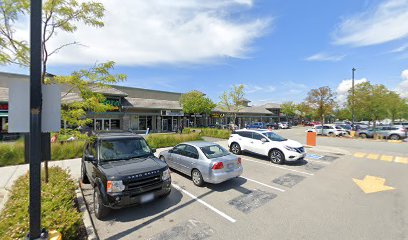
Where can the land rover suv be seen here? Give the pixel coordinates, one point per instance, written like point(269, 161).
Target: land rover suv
point(123, 171)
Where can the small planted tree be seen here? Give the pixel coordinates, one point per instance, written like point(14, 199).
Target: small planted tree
point(321, 100)
point(232, 101)
point(289, 109)
point(196, 102)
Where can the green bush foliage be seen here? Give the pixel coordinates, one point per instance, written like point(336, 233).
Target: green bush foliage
point(13, 153)
point(59, 211)
point(168, 140)
point(210, 132)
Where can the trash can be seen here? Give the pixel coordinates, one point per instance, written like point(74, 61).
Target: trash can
point(311, 138)
point(352, 133)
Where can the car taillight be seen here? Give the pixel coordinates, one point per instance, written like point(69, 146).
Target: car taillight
point(239, 160)
point(218, 165)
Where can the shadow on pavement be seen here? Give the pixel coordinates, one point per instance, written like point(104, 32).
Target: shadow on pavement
point(260, 157)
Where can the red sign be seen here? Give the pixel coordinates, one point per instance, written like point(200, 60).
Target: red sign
point(3, 106)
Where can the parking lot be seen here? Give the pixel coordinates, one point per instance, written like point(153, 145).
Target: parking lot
point(317, 198)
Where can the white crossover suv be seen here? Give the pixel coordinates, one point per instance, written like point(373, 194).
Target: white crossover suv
point(266, 143)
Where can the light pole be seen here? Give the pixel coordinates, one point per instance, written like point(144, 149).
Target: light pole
point(352, 100)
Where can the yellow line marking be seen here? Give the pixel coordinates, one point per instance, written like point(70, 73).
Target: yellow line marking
point(386, 158)
point(373, 156)
point(401, 160)
point(371, 184)
point(360, 154)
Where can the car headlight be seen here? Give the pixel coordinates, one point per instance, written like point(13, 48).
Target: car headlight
point(290, 148)
point(115, 186)
point(166, 174)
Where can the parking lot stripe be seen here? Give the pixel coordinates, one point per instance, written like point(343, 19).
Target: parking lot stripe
point(268, 164)
point(204, 203)
point(373, 156)
point(263, 184)
point(360, 154)
point(401, 160)
point(386, 158)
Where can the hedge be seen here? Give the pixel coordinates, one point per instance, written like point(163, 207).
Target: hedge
point(210, 132)
point(167, 140)
point(59, 209)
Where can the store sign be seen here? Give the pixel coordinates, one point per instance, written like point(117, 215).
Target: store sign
point(4, 107)
point(217, 115)
point(114, 102)
point(172, 113)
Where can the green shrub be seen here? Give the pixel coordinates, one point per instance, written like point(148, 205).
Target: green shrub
point(172, 139)
point(210, 132)
point(59, 210)
point(67, 150)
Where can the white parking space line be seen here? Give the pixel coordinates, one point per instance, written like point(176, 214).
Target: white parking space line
point(204, 203)
point(268, 164)
point(263, 184)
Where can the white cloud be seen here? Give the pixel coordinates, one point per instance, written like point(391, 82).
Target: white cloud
point(386, 22)
point(163, 32)
point(325, 57)
point(400, 49)
point(344, 87)
point(402, 87)
point(257, 88)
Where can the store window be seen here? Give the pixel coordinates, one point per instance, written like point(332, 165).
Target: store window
point(115, 124)
point(145, 122)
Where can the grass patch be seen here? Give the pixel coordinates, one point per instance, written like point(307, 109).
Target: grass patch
point(211, 132)
point(169, 140)
point(59, 209)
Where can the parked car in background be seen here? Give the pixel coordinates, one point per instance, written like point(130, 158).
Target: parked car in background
point(328, 130)
point(266, 143)
point(123, 171)
point(272, 125)
point(203, 162)
point(315, 123)
point(256, 125)
point(346, 127)
point(284, 125)
point(394, 132)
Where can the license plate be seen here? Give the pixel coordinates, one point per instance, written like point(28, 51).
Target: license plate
point(147, 198)
point(230, 165)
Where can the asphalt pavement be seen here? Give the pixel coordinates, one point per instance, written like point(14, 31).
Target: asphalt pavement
point(358, 192)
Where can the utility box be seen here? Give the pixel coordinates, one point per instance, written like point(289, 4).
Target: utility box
point(311, 138)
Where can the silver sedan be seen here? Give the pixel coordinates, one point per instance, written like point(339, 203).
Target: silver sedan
point(203, 161)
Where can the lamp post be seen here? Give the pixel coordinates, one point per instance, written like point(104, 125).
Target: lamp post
point(352, 101)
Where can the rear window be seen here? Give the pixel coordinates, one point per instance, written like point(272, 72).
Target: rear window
point(214, 151)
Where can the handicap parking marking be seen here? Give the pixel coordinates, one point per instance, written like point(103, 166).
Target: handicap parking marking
point(263, 184)
point(275, 166)
point(289, 180)
point(360, 154)
point(191, 229)
point(386, 158)
point(403, 160)
point(246, 203)
point(313, 156)
point(204, 203)
point(373, 156)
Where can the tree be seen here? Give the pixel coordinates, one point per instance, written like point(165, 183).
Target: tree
point(305, 110)
point(196, 102)
point(232, 101)
point(343, 113)
point(321, 100)
point(289, 109)
point(394, 105)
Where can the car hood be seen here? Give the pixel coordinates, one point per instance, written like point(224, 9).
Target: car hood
point(291, 143)
point(121, 169)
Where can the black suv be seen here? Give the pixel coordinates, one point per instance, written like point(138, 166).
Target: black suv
point(123, 171)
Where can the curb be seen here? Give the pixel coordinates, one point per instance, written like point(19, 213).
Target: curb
point(86, 218)
point(394, 141)
point(5, 194)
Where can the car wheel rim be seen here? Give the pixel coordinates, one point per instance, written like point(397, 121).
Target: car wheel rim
point(235, 148)
point(276, 156)
point(394, 138)
point(196, 177)
point(96, 202)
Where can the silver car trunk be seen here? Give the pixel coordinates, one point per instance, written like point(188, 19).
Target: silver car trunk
point(229, 161)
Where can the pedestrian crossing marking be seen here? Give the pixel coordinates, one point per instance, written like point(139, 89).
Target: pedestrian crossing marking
point(360, 154)
point(401, 160)
point(386, 158)
point(372, 156)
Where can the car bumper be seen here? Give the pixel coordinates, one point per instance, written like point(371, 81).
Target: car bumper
point(224, 176)
point(131, 198)
point(294, 156)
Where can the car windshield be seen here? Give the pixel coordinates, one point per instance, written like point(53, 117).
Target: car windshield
point(339, 128)
point(274, 137)
point(123, 149)
point(214, 151)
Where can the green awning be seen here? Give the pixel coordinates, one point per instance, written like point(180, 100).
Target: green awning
point(3, 114)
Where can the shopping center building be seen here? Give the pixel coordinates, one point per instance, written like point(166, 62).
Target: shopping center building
point(141, 109)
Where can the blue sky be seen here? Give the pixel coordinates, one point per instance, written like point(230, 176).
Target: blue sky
point(278, 49)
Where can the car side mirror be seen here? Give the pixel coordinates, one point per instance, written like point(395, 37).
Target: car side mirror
point(264, 140)
point(90, 158)
point(171, 151)
point(153, 150)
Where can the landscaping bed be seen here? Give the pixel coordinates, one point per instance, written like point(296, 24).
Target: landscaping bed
point(171, 139)
point(59, 208)
point(210, 132)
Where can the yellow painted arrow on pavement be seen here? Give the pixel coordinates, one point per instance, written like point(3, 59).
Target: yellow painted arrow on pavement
point(371, 184)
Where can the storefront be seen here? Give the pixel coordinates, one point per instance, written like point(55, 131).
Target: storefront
point(3, 116)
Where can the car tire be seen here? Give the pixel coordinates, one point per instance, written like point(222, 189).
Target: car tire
point(84, 177)
point(331, 134)
point(276, 156)
point(235, 148)
point(197, 178)
point(363, 135)
point(394, 137)
point(99, 209)
point(165, 195)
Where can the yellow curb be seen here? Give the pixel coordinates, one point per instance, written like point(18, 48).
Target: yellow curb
point(395, 141)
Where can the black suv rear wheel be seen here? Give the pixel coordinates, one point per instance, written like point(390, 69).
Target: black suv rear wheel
point(99, 209)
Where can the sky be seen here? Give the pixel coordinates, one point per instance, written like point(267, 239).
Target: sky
point(278, 49)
